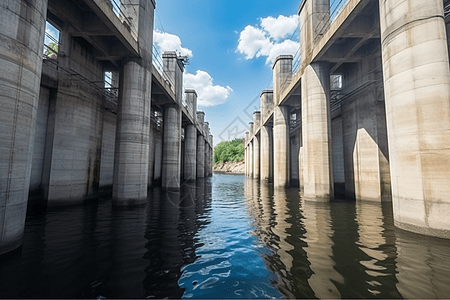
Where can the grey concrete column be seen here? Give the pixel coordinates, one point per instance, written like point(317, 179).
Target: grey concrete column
point(250, 159)
point(294, 159)
point(282, 71)
point(200, 156)
point(246, 153)
point(256, 157)
point(171, 163)
point(281, 146)
point(157, 169)
point(190, 152)
point(314, 17)
point(417, 90)
point(211, 154)
point(191, 101)
point(266, 102)
point(132, 135)
point(22, 36)
point(266, 155)
point(316, 133)
point(133, 117)
point(206, 134)
point(151, 153)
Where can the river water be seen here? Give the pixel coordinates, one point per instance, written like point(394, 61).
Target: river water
point(224, 237)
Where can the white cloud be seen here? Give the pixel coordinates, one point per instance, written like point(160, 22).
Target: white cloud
point(280, 27)
point(269, 40)
point(208, 93)
point(169, 42)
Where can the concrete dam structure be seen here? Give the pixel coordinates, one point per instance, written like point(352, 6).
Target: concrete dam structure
point(365, 112)
point(66, 134)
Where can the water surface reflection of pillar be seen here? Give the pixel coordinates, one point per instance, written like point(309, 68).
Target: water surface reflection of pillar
point(317, 222)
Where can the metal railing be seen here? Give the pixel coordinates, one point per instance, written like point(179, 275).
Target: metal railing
point(51, 47)
point(328, 18)
point(120, 8)
point(446, 10)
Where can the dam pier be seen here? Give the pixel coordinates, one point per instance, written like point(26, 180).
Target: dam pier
point(364, 113)
point(100, 112)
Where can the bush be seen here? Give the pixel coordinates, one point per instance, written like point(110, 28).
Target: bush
point(229, 151)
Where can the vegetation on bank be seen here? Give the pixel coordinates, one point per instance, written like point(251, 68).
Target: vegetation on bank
point(229, 151)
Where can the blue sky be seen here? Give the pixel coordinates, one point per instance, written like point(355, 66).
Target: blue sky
point(232, 44)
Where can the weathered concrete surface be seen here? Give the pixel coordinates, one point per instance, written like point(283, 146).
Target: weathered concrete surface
point(171, 163)
point(417, 90)
point(295, 142)
point(22, 25)
point(107, 155)
point(39, 143)
point(132, 136)
point(338, 156)
point(250, 159)
point(316, 133)
point(200, 146)
point(266, 153)
point(133, 118)
point(256, 148)
point(157, 169)
point(190, 152)
point(281, 146)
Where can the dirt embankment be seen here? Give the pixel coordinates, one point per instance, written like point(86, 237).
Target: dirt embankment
point(237, 167)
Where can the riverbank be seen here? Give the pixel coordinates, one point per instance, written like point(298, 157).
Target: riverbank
point(235, 167)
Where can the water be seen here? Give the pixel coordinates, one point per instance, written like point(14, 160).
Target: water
point(224, 237)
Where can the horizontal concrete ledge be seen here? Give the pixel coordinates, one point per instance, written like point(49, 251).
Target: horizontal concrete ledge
point(191, 91)
point(266, 92)
point(279, 57)
point(170, 54)
point(439, 233)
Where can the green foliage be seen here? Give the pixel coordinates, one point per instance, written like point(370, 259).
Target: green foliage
point(52, 49)
point(229, 151)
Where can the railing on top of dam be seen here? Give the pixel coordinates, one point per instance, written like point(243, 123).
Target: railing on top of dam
point(159, 65)
point(322, 26)
point(123, 9)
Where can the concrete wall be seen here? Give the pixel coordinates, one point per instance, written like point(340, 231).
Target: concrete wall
point(337, 143)
point(366, 155)
point(107, 155)
point(73, 148)
point(40, 133)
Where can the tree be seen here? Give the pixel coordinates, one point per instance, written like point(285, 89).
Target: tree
point(229, 151)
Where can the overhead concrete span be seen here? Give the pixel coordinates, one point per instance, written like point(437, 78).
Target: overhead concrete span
point(364, 112)
point(96, 110)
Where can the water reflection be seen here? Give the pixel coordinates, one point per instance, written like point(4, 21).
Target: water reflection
point(344, 249)
point(317, 222)
point(225, 237)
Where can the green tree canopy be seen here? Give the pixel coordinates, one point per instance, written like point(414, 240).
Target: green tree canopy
point(229, 151)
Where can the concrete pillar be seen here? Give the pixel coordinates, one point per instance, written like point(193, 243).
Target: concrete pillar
point(281, 146)
point(266, 166)
point(22, 35)
point(316, 133)
point(211, 154)
point(200, 146)
point(250, 159)
point(294, 159)
point(133, 117)
point(282, 71)
point(171, 163)
point(191, 101)
point(314, 18)
point(157, 169)
point(417, 93)
point(246, 153)
point(266, 103)
point(256, 157)
point(206, 135)
point(190, 152)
